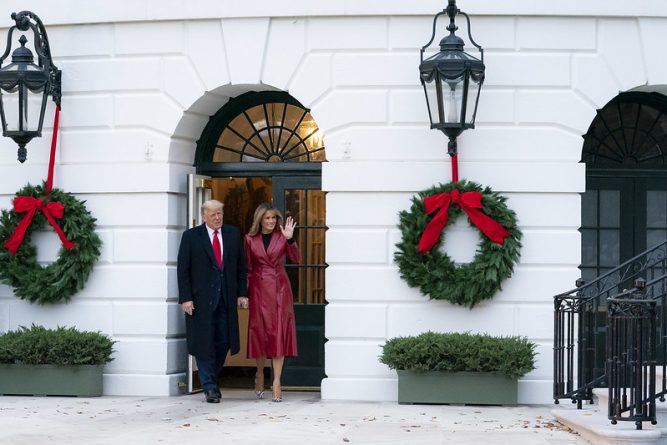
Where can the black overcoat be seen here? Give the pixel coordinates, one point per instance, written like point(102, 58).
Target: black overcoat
point(201, 281)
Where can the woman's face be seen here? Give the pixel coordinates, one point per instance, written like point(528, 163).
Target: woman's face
point(269, 221)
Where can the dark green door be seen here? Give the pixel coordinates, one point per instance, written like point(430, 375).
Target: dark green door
point(302, 199)
point(621, 218)
point(624, 208)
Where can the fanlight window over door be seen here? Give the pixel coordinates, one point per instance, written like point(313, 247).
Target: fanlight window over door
point(271, 132)
point(630, 132)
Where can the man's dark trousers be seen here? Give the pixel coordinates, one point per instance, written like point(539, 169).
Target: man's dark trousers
point(210, 366)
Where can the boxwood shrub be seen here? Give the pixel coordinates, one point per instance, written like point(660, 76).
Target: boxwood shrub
point(62, 346)
point(456, 352)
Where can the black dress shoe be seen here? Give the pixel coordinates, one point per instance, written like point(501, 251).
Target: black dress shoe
point(211, 396)
point(218, 393)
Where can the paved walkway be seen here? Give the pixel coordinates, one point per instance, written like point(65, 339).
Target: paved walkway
point(302, 418)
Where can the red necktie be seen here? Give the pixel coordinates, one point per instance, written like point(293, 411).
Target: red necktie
point(217, 250)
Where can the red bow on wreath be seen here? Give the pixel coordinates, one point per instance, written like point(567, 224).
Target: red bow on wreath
point(30, 205)
point(470, 202)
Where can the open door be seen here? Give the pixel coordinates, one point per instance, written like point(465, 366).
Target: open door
point(199, 190)
point(303, 199)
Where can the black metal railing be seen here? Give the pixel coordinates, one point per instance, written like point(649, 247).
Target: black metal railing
point(631, 356)
point(580, 324)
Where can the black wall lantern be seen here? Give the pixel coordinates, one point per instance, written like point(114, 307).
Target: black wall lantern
point(452, 80)
point(24, 85)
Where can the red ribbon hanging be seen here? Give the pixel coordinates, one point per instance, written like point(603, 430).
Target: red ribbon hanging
point(52, 210)
point(455, 168)
point(470, 202)
point(52, 156)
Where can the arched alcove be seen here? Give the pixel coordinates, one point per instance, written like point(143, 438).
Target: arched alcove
point(266, 146)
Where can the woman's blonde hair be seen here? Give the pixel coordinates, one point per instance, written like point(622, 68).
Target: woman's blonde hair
point(259, 214)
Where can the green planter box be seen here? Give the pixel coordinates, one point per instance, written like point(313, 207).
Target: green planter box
point(461, 388)
point(51, 380)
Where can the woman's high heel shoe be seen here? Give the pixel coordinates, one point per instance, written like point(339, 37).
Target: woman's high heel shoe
point(276, 395)
point(259, 393)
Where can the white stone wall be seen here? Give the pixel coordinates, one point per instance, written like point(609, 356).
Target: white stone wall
point(545, 78)
point(141, 78)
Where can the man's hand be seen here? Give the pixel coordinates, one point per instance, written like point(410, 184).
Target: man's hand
point(242, 302)
point(188, 307)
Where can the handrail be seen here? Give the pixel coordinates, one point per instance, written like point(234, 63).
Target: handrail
point(577, 291)
point(656, 290)
point(631, 352)
point(580, 324)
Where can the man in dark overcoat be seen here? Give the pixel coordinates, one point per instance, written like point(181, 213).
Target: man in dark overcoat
point(211, 273)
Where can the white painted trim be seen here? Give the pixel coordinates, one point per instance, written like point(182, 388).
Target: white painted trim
point(119, 11)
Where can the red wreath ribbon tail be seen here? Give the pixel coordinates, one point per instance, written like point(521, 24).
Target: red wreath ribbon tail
point(487, 225)
point(15, 240)
point(434, 228)
point(56, 210)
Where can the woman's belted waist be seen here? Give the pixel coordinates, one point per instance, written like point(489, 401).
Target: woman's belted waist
point(264, 272)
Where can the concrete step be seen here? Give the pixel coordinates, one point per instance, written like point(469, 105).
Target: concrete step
point(592, 424)
point(601, 399)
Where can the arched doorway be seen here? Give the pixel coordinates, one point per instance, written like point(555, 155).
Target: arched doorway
point(624, 208)
point(266, 146)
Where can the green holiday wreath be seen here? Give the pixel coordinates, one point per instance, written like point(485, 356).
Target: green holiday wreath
point(58, 281)
point(434, 273)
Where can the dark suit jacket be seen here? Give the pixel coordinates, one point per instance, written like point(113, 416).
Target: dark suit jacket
point(201, 281)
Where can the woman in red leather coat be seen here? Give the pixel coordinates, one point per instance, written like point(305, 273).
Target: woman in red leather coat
point(271, 327)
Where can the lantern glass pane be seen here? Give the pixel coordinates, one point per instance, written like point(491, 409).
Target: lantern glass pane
point(33, 110)
point(10, 105)
point(22, 110)
point(452, 96)
point(430, 88)
point(473, 93)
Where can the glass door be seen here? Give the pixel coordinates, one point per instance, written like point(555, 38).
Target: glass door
point(302, 199)
point(607, 228)
point(621, 218)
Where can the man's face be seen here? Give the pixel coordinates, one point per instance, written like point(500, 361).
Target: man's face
point(213, 218)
